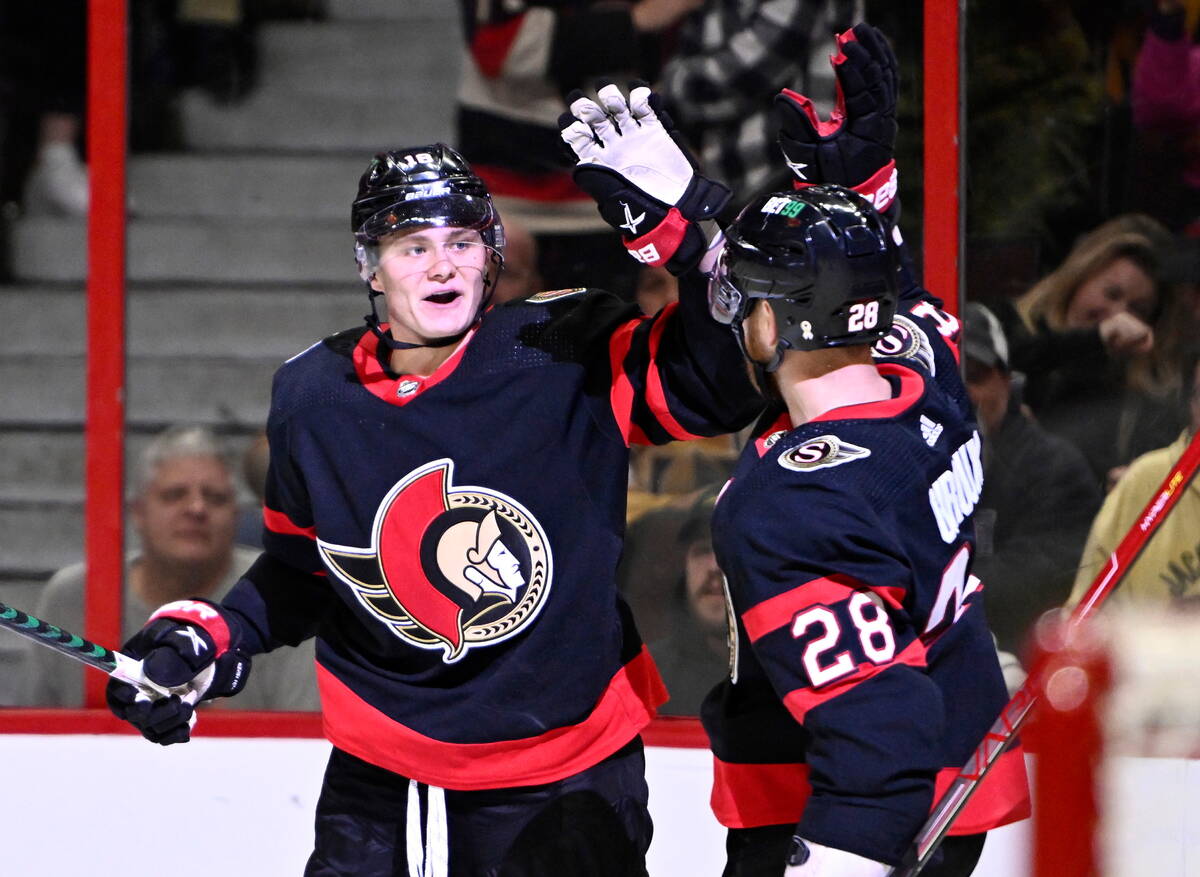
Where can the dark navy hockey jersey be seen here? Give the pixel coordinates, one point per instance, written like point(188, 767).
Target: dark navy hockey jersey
point(862, 667)
point(452, 540)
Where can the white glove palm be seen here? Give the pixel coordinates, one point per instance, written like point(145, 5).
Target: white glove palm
point(629, 138)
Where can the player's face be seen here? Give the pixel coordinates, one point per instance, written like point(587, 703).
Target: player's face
point(1119, 286)
point(187, 513)
point(705, 592)
point(432, 280)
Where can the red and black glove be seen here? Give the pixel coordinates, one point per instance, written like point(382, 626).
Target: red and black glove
point(185, 646)
point(855, 147)
point(645, 183)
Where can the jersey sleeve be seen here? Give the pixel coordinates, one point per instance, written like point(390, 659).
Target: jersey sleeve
point(679, 375)
point(824, 614)
point(282, 597)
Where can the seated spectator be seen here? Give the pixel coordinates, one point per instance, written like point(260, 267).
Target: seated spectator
point(520, 59)
point(183, 512)
point(255, 460)
point(520, 277)
point(694, 654)
point(1165, 98)
point(731, 59)
point(1038, 494)
point(656, 288)
point(1096, 340)
point(1168, 569)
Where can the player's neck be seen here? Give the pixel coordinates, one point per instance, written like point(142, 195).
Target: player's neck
point(816, 381)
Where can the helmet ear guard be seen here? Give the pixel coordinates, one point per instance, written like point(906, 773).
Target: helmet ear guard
point(367, 257)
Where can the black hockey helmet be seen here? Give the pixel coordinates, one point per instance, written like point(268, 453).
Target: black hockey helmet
point(823, 259)
point(420, 187)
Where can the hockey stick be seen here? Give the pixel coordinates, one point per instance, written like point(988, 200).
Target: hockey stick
point(115, 664)
point(1000, 736)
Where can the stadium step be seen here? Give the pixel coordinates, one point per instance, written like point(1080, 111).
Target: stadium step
point(254, 323)
point(272, 188)
point(200, 250)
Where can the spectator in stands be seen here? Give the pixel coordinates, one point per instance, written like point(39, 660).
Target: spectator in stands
point(732, 58)
point(656, 288)
point(183, 511)
point(520, 277)
point(1038, 493)
point(207, 44)
point(522, 58)
point(1168, 569)
point(1166, 116)
point(1097, 340)
point(255, 460)
point(694, 654)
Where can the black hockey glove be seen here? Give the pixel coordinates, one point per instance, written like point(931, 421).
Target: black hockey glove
point(184, 648)
point(645, 183)
point(855, 146)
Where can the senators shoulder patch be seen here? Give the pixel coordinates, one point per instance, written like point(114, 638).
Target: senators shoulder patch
point(821, 452)
point(539, 298)
point(906, 340)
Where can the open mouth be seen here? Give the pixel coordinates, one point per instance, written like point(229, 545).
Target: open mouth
point(442, 298)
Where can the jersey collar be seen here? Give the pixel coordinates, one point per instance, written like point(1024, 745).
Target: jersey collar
point(911, 389)
point(403, 389)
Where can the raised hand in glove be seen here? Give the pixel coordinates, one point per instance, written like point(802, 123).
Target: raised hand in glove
point(855, 146)
point(645, 184)
point(184, 648)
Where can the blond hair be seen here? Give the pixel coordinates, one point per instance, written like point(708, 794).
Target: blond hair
point(1140, 239)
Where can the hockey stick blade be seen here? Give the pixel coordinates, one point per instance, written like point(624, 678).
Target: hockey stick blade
point(115, 664)
point(1001, 735)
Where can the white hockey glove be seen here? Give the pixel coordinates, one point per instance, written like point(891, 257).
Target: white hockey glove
point(644, 182)
point(808, 859)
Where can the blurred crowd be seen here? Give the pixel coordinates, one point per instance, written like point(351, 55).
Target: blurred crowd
point(1083, 262)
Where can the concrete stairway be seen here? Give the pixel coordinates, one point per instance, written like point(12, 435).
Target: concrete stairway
point(239, 255)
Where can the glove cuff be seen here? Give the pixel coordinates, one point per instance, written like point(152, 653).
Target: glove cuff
point(880, 188)
point(202, 614)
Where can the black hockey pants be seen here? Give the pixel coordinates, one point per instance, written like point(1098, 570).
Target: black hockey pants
point(761, 852)
point(375, 823)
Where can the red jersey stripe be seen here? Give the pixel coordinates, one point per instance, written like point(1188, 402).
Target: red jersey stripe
point(278, 522)
point(800, 701)
point(622, 394)
point(656, 398)
point(750, 795)
point(779, 611)
point(625, 707)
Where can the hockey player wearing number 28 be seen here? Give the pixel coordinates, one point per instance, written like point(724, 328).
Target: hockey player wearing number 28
point(444, 512)
point(863, 674)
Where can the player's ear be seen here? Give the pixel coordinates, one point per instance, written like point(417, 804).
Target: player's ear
point(761, 332)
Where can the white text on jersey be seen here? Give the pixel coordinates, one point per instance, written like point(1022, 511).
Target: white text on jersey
point(953, 495)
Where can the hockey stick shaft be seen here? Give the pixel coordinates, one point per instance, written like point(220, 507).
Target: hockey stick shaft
point(1002, 733)
point(111, 662)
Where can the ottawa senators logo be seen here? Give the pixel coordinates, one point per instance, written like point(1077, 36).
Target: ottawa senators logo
point(821, 453)
point(449, 567)
point(906, 340)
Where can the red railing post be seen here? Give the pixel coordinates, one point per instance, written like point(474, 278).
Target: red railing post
point(943, 226)
point(105, 405)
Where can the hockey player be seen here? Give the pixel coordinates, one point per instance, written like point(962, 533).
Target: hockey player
point(444, 512)
point(863, 673)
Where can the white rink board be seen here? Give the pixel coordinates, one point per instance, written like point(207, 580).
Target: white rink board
point(118, 806)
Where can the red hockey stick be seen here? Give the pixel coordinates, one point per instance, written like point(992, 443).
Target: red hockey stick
point(1002, 733)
